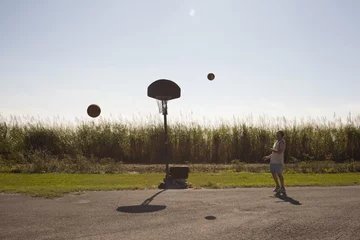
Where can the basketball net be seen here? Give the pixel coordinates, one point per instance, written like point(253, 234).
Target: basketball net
point(162, 105)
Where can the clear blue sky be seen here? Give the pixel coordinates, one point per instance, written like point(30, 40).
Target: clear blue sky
point(274, 58)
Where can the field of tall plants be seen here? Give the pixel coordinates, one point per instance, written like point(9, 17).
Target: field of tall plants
point(142, 142)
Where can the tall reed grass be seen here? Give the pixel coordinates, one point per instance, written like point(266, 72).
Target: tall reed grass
point(142, 141)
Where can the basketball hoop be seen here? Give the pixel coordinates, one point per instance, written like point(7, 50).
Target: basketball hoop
point(164, 90)
point(162, 103)
point(162, 106)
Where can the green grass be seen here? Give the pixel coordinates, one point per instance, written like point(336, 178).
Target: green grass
point(48, 165)
point(54, 185)
point(243, 179)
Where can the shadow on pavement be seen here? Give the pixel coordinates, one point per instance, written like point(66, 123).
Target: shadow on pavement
point(144, 207)
point(287, 199)
point(210, 217)
point(141, 208)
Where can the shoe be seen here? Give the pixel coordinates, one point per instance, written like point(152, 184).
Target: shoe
point(277, 189)
point(282, 190)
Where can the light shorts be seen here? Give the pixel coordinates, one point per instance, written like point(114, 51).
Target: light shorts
point(276, 167)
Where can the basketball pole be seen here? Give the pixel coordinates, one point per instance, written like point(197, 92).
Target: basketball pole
point(164, 105)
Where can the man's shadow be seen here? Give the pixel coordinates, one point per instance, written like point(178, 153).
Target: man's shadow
point(287, 199)
point(144, 207)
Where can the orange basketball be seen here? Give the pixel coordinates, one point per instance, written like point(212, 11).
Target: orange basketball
point(93, 110)
point(211, 76)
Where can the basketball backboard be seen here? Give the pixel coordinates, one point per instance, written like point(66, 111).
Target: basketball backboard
point(164, 89)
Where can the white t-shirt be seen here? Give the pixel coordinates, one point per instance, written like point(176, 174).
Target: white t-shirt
point(278, 157)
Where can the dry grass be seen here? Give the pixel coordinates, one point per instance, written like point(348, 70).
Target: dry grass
point(41, 163)
point(55, 146)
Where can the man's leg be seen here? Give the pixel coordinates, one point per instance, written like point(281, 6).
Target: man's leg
point(281, 177)
point(275, 178)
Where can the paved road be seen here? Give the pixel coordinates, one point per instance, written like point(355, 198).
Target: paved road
point(308, 213)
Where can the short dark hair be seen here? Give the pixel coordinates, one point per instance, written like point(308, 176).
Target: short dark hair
point(282, 133)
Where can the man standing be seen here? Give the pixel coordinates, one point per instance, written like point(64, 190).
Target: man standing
point(277, 162)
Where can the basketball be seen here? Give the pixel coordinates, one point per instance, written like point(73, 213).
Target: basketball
point(211, 76)
point(93, 110)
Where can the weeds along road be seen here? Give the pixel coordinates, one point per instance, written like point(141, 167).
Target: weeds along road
point(253, 213)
